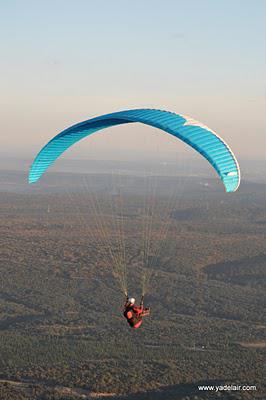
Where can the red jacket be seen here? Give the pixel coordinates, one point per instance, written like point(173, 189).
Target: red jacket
point(133, 314)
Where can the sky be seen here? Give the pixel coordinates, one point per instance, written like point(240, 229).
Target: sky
point(66, 61)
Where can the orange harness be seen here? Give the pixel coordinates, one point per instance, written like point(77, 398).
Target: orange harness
point(133, 316)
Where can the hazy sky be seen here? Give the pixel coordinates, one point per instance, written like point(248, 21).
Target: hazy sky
point(66, 61)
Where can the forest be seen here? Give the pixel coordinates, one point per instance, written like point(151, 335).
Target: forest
point(62, 332)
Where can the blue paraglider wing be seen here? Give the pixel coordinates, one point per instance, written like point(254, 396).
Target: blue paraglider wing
point(201, 138)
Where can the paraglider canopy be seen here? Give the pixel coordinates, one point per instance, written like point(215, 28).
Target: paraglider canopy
point(204, 140)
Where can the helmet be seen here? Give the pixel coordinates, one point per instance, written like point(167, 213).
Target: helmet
point(131, 300)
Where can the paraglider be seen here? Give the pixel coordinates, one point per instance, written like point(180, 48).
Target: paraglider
point(204, 140)
point(198, 136)
point(133, 313)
